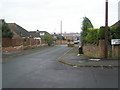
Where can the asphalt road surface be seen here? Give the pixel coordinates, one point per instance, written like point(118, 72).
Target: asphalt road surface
point(41, 70)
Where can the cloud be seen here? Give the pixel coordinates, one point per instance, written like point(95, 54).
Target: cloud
point(46, 14)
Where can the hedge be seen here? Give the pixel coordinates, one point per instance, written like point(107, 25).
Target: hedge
point(95, 34)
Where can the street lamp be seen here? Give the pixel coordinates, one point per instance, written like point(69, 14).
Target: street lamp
point(106, 29)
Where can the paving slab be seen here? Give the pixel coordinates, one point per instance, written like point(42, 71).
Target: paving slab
point(72, 58)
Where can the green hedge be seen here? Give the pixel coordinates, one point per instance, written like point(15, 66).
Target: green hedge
point(92, 36)
point(115, 32)
point(95, 34)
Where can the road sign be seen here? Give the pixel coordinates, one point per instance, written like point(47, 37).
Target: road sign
point(115, 41)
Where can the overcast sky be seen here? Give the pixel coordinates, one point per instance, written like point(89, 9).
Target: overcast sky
point(45, 15)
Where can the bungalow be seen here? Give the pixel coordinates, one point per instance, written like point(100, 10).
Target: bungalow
point(18, 31)
point(34, 34)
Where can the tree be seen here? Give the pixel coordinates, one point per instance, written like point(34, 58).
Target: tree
point(48, 38)
point(86, 24)
point(6, 30)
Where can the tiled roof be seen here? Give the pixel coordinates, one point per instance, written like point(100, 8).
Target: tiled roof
point(117, 23)
point(18, 30)
point(34, 34)
point(43, 32)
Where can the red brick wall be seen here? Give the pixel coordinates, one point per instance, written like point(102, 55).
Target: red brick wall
point(116, 51)
point(7, 42)
point(99, 51)
point(16, 42)
point(91, 50)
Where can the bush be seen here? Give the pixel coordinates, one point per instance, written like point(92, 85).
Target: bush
point(6, 31)
point(115, 32)
point(48, 38)
point(92, 36)
point(101, 33)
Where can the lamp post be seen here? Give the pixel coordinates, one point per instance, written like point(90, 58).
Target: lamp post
point(106, 29)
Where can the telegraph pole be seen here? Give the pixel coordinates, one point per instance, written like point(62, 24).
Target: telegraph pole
point(106, 29)
point(61, 31)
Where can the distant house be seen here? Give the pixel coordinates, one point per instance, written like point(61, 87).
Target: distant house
point(18, 31)
point(42, 33)
point(117, 23)
point(56, 36)
point(34, 34)
point(37, 34)
point(71, 36)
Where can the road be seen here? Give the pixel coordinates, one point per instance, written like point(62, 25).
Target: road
point(41, 70)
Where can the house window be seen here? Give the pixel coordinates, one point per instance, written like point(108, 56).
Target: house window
point(42, 33)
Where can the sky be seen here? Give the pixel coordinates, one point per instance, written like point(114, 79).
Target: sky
point(46, 15)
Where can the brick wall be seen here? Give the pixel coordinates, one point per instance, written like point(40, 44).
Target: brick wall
point(99, 51)
point(6, 42)
point(91, 50)
point(116, 51)
point(18, 44)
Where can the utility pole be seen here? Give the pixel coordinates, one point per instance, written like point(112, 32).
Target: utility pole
point(61, 31)
point(106, 29)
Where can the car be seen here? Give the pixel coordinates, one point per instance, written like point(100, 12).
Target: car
point(76, 41)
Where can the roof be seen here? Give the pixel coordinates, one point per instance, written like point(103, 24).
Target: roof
point(117, 23)
point(34, 34)
point(43, 32)
point(71, 34)
point(18, 30)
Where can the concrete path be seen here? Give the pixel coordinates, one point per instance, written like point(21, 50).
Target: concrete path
point(72, 58)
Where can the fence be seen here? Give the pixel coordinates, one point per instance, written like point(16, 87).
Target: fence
point(61, 42)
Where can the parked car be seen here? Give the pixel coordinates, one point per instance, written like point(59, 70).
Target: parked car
point(76, 41)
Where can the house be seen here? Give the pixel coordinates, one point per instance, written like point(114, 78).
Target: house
point(18, 31)
point(34, 34)
point(117, 23)
point(37, 34)
point(71, 36)
point(42, 33)
point(56, 36)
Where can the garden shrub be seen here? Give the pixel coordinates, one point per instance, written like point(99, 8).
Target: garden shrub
point(92, 36)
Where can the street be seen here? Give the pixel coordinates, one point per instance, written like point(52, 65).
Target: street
point(41, 70)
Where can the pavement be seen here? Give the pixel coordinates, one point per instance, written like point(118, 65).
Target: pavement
point(72, 58)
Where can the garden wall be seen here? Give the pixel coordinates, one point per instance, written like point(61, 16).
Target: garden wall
point(97, 51)
point(16, 44)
